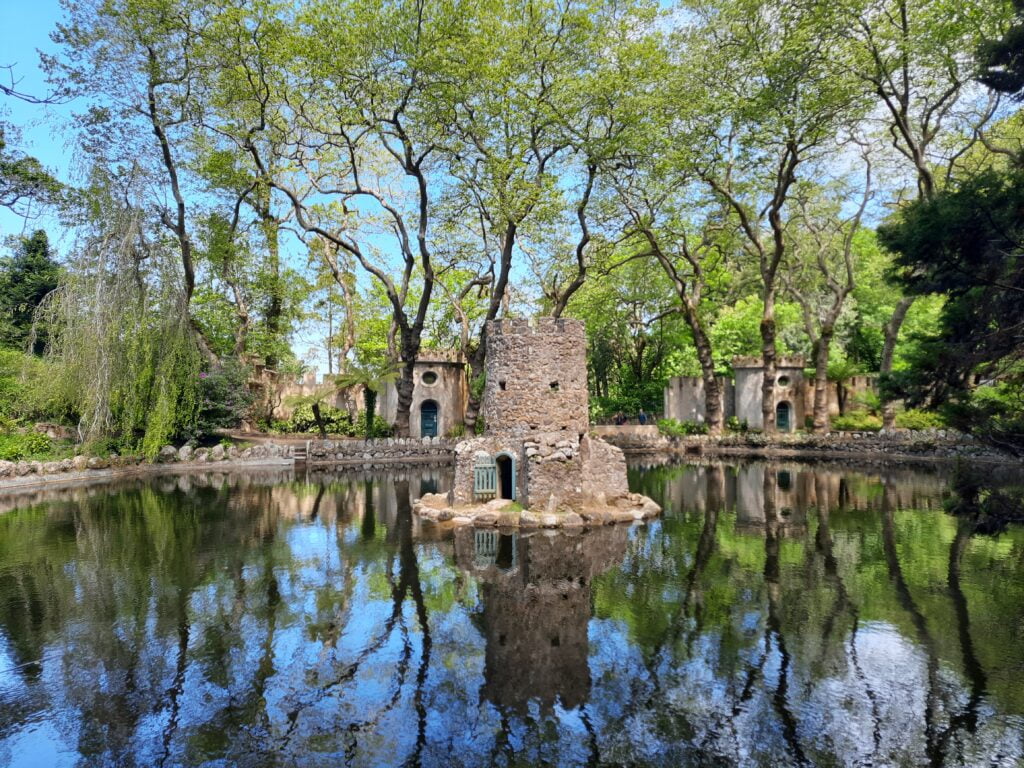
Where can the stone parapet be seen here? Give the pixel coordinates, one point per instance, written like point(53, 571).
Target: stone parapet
point(386, 449)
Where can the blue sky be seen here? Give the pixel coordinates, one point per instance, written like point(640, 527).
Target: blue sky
point(25, 27)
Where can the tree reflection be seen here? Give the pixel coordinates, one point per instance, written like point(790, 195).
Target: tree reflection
point(775, 615)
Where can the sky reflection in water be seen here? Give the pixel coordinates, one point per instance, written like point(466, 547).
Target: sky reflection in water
point(776, 615)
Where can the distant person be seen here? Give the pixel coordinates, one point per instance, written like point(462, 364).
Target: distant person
point(641, 417)
point(619, 419)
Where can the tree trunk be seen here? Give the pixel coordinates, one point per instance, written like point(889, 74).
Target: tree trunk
point(892, 333)
point(713, 407)
point(474, 395)
point(318, 417)
point(821, 353)
point(370, 400)
point(768, 359)
point(275, 308)
point(404, 387)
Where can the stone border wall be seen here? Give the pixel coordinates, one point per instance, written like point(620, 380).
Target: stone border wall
point(384, 450)
point(922, 444)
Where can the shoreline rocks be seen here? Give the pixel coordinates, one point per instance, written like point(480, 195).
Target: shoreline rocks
point(576, 512)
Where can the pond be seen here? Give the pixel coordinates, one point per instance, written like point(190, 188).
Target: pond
point(777, 614)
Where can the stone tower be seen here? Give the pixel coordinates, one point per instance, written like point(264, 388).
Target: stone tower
point(536, 450)
point(536, 377)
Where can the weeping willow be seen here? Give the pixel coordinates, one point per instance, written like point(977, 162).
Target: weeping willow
point(121, 340)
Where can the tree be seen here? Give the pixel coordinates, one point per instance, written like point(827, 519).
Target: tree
point(909, 54)
point(966, 243)
point(133, 61)
point(769, 96)
point(1002, 60)
point(25, 280)
point(23, 179)
point(822, 276)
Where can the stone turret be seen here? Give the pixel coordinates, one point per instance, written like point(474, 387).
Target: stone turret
point(536, 377)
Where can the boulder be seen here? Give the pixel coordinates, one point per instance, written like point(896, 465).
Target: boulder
point(486, 519)
point(96, 462)
point(185, 453)
point(22, 468)
point(51, 467)
point(167, 453)
point(445, 515)
point(80, 462)
point(217, 453)
point(232, 451)
point(528, 519)
point(572, 520)
point(246, 454)
point(201, 456)
point(6, 468)
point(434, 500)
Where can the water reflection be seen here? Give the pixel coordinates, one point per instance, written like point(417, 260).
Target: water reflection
point(536, 608)
point(777, 614)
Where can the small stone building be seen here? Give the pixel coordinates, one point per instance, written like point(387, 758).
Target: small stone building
point(536, 449)
point(741, 397)
point(438, 398)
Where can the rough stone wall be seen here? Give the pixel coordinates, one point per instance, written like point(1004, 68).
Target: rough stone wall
point(554, 470)
point(384, 448)
point(536, 377)
point(492, 445)
point(604, 469)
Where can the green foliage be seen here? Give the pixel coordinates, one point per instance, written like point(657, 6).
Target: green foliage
point(336, 421)
point(23, 179)
point(676, 428)
point(858, 421)
point(225, 397)
point(733, 424)
point(993, 412)
point(25, 280)
point(965, 243)
point(457, 431)
point(15, 446)
point(917, 419)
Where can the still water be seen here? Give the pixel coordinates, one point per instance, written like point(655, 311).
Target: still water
point(775, 615)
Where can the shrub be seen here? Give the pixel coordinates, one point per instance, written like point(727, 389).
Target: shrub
point(858, 421)
point(733, 424)
point(337, 421)
point(380, 427)
point(676, 428)
point(459, 430)
point(224, 397)
point(918, 419)
point(16, 446)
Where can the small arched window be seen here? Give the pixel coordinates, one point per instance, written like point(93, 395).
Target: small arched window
point(429, 377)
point(783, 381)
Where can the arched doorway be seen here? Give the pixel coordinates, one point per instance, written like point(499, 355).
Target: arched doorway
point(428, 419)
point(784, 417)
point(506, 466)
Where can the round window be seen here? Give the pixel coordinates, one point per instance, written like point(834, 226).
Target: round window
point(429, 377)
point(783, 381)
